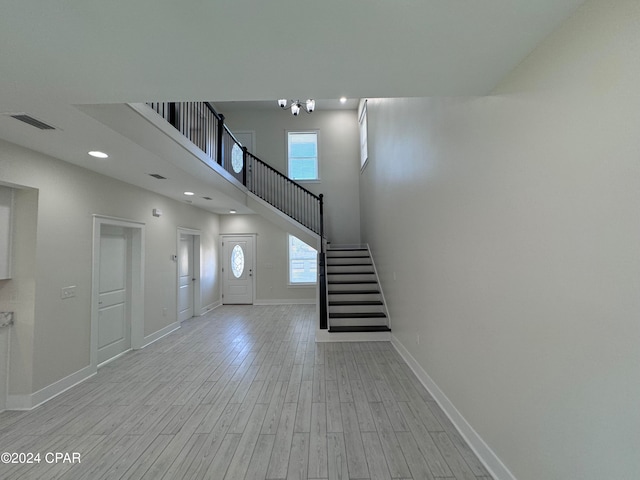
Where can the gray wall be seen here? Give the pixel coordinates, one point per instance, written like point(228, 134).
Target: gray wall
point(506, 232)
point(339, 151)
point(51, 338)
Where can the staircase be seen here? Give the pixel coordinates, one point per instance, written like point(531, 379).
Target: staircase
point(355, 298)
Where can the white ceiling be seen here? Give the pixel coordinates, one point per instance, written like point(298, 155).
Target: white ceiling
point(61, 53)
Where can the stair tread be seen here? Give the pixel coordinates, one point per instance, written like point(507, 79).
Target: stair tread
point(351, 282)
point(358, 315)
point(344, 303)
point(353, 292)
point(350, 273)
point(360, 328)
point(346, 249)
point(349, 264)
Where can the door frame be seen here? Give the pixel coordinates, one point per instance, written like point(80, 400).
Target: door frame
point(254, 237)
point(197, 302)
point(137, 230)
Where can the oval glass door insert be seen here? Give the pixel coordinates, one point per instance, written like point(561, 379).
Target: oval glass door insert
point(237, 261)
point(236, 158)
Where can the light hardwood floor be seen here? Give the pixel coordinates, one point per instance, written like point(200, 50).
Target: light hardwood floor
point(245, 393)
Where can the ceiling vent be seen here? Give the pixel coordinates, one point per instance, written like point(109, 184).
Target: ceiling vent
point(158, 176)
point(34, 122)
point(207, 198)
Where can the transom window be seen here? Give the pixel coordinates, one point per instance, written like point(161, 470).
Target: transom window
point(302, 152)
point(303, 262)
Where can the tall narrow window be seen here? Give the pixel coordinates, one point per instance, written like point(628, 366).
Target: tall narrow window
point(302, 151)
point(364, 150)
point(303, 262)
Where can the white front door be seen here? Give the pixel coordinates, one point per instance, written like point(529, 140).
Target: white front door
point(186, 277)
point(237, 269)
point(114, 313)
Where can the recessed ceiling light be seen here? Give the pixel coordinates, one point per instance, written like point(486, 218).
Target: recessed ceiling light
point(189, 193)
point(232, 211)
point(343, 99)
point(97, 154)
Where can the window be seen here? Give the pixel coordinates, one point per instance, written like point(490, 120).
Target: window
point(302, 151)
point(364, 153)
point(303, 263)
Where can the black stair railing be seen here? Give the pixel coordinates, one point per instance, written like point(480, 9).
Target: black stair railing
point(200, 123)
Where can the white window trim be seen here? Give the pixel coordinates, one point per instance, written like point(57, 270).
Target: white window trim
point(297, 284)
point(286, 150)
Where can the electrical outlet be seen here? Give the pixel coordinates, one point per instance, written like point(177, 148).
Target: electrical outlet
point(68, 292)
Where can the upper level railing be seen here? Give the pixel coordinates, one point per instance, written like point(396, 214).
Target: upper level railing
point(200, 123)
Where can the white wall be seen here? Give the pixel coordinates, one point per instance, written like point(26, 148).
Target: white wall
point(271, 260)
point(339, 150)
point(53, 342)
point(511, 225)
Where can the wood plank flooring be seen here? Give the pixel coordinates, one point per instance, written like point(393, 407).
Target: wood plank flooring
point(245, 393)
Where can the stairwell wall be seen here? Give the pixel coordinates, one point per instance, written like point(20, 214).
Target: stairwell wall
point(505, 231)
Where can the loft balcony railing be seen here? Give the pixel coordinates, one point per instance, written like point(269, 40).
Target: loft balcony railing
point(200, 123)
point(205, 128)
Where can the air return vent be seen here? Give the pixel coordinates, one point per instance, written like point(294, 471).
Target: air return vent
point(158, 176)
point(207, 198)
point(34, 122)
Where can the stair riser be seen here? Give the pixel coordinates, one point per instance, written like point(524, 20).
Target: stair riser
point(336, 261)
point(333, 269)
point(350, 322)
point(352, 287)
point(355, 277)
point(355, 308)
point(346, 254)
point(354, 297)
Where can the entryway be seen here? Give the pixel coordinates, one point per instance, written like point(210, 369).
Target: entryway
point(238, 279)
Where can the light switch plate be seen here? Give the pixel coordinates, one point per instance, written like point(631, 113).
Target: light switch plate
point(68, 292)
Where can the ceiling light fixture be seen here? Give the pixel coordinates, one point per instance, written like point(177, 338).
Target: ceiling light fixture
point(188, 194)
point(296, 105)
point(232, 211)
point(97, 154)
point(343, 100)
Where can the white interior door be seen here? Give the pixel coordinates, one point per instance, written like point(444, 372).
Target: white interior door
point(186, 277)
point(247, 139)
point(114, 312)
point(237, 269)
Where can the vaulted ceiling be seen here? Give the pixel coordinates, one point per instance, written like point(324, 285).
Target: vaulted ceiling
point(57, 54)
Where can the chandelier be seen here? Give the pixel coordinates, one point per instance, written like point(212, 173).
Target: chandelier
point(296, 105)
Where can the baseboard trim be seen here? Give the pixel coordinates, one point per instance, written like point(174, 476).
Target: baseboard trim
point(212, 306)
point(325, 336)
point(163, 332)
point(291, 301)
point(33, 400)
point(487, 456)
